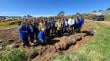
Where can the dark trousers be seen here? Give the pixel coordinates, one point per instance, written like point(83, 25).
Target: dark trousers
point(36, 34)
point(31, 35)
point(65, 29)
point(25, 42)
point(47, 32)
point(59, 33)
point(52, 30)
point(71, 29)
point(77, 28)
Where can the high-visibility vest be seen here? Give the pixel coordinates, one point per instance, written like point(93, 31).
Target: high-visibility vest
point(58, 25)
point(41, 25)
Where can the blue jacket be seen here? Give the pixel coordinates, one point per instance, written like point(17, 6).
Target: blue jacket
point(63, 22)
point(41, 36)
point(77, 23)
point(23, 32)
point(82, 21)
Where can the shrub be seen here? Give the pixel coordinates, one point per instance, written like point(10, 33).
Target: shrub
point(13, 55)
point(6, 23)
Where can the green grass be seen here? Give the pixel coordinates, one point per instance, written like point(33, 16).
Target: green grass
point(13, 55)
point(97, 50)
point(107, 17)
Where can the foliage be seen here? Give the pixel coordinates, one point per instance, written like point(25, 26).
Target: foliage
point(6, 23)
point(107, 17)
point(61, 13)
point(108, 9)
point(13, 55)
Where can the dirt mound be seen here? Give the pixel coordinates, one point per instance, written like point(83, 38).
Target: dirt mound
point(66, 43)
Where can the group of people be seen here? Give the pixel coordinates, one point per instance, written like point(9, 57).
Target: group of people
point(42, 29)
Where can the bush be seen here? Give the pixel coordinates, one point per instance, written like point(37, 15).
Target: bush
point(9, 22)
point(13, 55)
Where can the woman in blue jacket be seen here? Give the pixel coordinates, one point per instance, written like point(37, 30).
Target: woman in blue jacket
point(23, 34)
point(77, 25)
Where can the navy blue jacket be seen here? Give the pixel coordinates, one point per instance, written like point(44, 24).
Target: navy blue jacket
point(63, 22)
point(23, 32)
point(82, 21)
point(77, 22)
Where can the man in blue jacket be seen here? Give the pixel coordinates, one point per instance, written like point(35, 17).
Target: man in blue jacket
point(23, 34)
point(81, 20)
point(79, 23)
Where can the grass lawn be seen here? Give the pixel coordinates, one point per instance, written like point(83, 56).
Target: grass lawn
point(107, 17)
point(97, 50)
point(13, 55)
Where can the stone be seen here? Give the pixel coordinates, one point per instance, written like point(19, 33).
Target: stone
point(33, 54)
point(8, 47)
point(1, 41)
point(1, 48)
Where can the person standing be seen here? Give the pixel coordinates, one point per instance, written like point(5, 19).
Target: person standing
point(66, 25)
point(58, 26)
point(79, 23)
point(52, 26)
point(41, 24)
point(31, 32)
point(35, 24)
point(23, 34)
point(47, 28)
point(71, 23)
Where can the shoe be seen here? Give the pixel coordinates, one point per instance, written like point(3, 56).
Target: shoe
point(32, 44)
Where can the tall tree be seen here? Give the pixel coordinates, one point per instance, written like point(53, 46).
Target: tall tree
point(29, 16)
point(94, 11)
point(100, 10)
point(108, 9)
point(61, 13)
